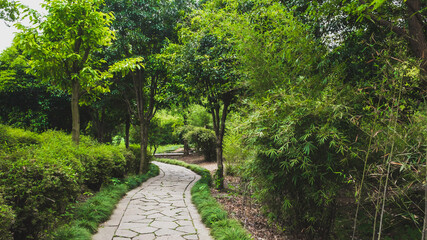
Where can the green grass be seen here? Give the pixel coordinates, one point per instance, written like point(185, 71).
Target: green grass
point(212, 213)
point(99, 208)
point(168, 148)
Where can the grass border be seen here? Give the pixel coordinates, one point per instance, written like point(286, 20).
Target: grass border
point(98, 209)
point(213, 214)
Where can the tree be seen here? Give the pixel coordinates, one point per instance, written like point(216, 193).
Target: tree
point(142, 29)
point(207, 62)
point(26, 102)
point(391, 15)
point(9, 10)
point(61, 49)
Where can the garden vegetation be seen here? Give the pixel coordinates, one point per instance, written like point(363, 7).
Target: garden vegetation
point(43, 175)
point(318, 106)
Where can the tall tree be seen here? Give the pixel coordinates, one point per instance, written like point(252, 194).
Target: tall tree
point(61, 49)
point(206, 61)
point(142, 29)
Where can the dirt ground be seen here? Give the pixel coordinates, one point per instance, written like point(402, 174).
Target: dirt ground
point(239, 206)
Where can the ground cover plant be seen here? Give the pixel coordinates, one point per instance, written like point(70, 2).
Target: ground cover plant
point(42, 174)
point(213, 215)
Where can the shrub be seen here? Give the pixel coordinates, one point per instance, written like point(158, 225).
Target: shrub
point(7, 217)
point(39, 192)
point(133, 165)
point(204, 141)
point(42, 175)
point(101, 163)
point(12, 139)
point(300, 166)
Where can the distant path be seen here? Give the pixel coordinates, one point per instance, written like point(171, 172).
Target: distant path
point(159, 209)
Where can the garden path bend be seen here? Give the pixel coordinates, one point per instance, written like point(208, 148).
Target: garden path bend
point(160, 208)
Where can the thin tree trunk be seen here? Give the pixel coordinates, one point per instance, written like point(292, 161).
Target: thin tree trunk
point(75, 114)
point(219, 161)
point(127, 129)
point(144, 161)
point(416, 27)
point(424, 236)
point(186, 146)
point(219, 128)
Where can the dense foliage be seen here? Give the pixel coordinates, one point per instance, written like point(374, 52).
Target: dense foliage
point(203, 140)
point(327, 102)
point(41, 175)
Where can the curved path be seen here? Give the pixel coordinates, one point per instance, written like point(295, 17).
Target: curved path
point(159, 209)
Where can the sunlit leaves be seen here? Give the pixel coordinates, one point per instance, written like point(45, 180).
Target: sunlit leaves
point(61, 47)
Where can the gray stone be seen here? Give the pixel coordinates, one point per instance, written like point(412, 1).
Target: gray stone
point(160, 208)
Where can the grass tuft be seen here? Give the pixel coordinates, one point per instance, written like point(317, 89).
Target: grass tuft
point(213, 215)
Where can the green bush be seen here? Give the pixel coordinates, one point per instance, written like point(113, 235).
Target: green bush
point(42, 175)
point(38, 192)
point(7, 217)
point(204, 141)
point(133, 165)
point(101, 163)
point(12, 139)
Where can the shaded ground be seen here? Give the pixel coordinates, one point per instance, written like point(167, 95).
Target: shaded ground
point(237, 205)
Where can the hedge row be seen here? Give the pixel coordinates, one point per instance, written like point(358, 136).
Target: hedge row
point(42, 174)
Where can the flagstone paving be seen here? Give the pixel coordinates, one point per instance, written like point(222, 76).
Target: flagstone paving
point(159, 209)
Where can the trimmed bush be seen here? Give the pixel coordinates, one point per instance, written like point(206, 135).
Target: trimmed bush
point(204, 141)
point(42, 175)
point(12, 139)
point(7, 216)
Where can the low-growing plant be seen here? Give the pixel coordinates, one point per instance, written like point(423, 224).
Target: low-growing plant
point(12, 139)
point(41, 175)
point(7, 217)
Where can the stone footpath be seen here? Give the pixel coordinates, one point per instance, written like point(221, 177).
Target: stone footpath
point(160, 208)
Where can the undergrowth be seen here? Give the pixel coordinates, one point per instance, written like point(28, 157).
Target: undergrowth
point(212, 213)
point(99, 208)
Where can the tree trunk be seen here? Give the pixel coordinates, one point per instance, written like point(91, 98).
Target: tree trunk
point(219, 160)
point(417, 40)
point(127, 128)
point(144, 161)
point(186, 146)
point(75, 114)
point(219, 128)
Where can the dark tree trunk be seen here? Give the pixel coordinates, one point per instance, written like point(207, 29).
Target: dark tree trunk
point(145, 112)
point(219, 128)
point(144, 161)
point(100, 125)
point(75, 114)
point(417, 38)
point(186, 146)
point(127, 129)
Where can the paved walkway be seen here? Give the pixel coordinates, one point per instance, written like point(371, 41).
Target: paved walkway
point(159, 209)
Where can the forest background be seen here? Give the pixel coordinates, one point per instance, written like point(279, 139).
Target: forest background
point(318, 106)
